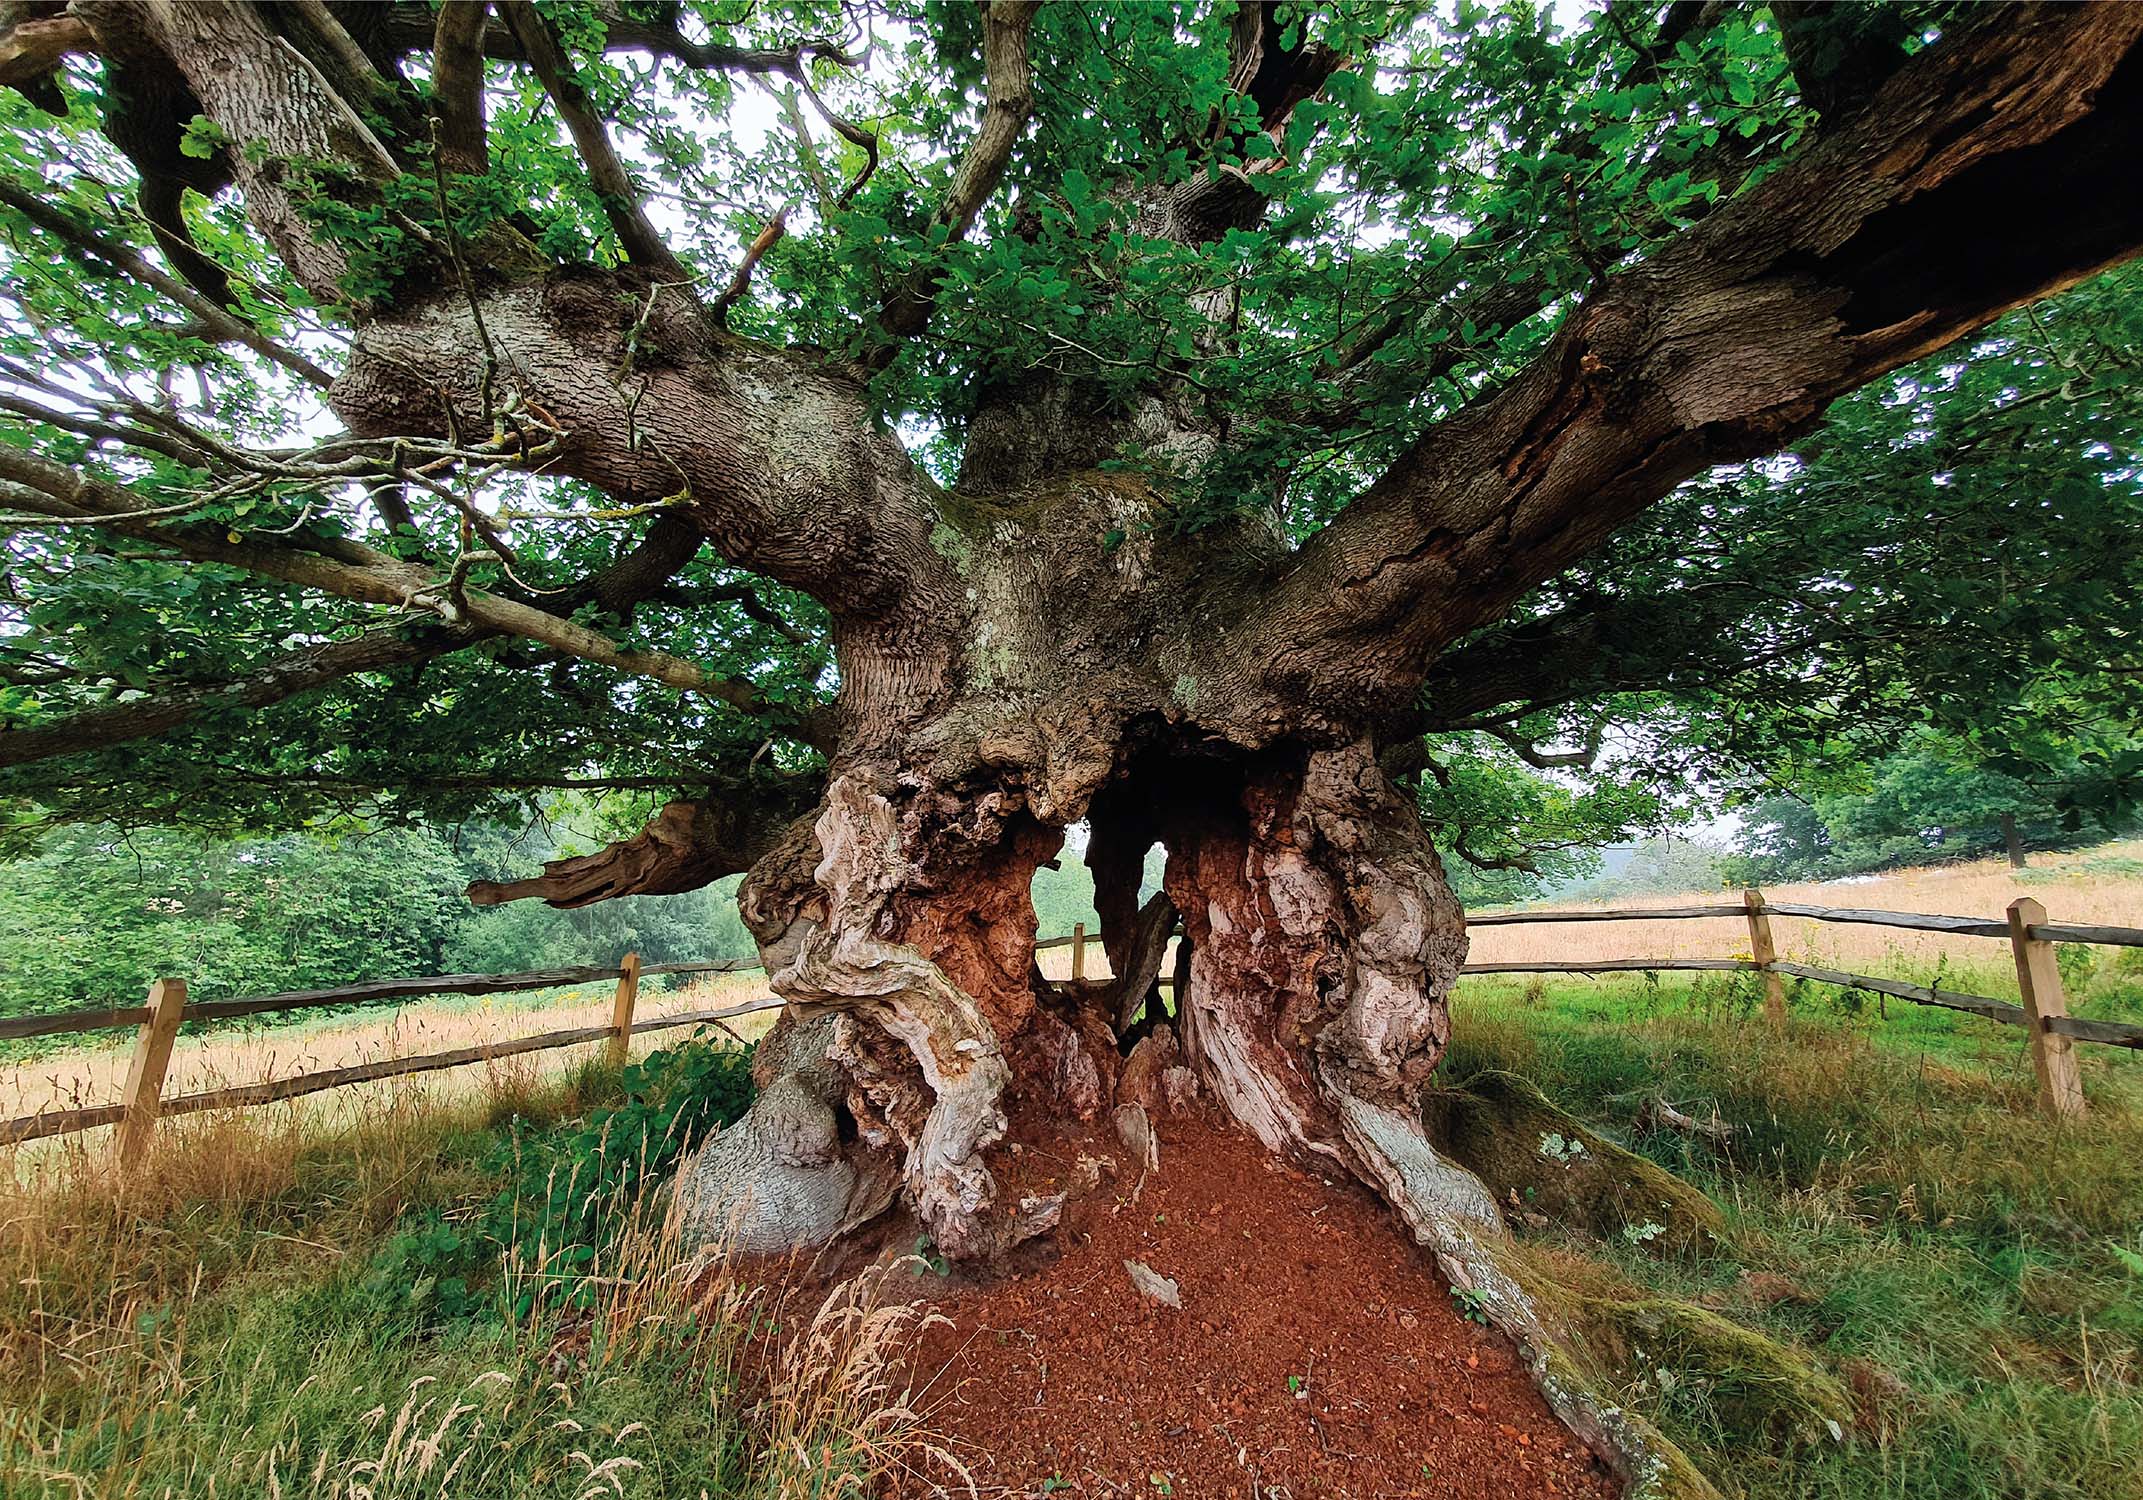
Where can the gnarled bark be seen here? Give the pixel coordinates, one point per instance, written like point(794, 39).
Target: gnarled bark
point(1049, 639)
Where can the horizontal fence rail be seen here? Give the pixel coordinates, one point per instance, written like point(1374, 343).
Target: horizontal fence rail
point(2050, 1027)
point(153, 1046)
point(2043, 1014)
point(101, 1018)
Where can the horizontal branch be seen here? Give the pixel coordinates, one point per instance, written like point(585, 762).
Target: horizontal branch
point(408, 29)
point(684, 847)
point(287, 676)
point(353, 571)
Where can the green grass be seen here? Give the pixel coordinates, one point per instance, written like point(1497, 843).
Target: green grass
point(278, 1308)
point(1953, 1257)
point(265, 1311)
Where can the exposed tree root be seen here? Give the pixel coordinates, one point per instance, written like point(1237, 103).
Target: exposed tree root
point(1541, 1160)
point(1322, 941)
point(781, 1178)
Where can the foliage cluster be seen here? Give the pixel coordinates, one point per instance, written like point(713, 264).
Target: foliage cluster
point(566, 1190)
point(1930, 801)
point(1428, 219)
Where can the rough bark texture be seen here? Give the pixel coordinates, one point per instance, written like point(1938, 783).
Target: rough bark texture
point(1043, 644)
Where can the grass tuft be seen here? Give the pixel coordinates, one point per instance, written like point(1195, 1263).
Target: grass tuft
point(1898, 1211)
point(244, 1318)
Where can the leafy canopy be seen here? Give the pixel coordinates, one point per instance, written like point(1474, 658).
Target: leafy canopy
point(1938, 558)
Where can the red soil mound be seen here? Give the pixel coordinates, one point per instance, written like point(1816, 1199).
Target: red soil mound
point(1316, 1352)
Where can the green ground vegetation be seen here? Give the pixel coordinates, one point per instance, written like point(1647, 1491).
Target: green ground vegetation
point(1899, 1221)
point(362, 1308)
point(462, 1298)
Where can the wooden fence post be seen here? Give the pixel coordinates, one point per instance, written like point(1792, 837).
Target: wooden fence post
point(1078, 950)
point(2053, 1056)
point(1762, 950)
point(145, 1070)
point(621, 1009)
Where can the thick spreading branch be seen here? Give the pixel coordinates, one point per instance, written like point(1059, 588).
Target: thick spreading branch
point(349, 570)
point(1974, 182)
point(300, 671)
point(408, 28)
point(1275, 78)
point(32, 50)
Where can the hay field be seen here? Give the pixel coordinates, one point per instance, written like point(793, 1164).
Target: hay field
point(94, 1074)
point(2101, 886)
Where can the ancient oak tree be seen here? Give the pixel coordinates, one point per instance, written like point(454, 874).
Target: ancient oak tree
point(896, 438)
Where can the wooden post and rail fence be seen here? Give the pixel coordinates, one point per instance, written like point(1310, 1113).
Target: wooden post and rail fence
point(2051, 1030)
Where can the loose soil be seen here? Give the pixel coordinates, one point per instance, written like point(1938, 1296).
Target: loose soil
point(1317, 1352)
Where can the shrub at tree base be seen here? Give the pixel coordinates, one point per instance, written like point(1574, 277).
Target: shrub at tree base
point(570, 1189)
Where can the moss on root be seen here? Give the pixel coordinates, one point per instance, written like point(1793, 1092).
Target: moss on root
point(1606, 1335)
point(1756, 1384)
point(1540, 1160)
point(1603, 1337)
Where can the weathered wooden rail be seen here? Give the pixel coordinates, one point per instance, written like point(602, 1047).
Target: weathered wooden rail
point(2044, 1014)
point(2052, 1031)
point(142, 1104)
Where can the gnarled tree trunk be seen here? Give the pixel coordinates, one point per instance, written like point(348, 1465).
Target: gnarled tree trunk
point(1046, 642)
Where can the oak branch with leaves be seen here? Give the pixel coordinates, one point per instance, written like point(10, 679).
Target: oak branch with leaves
point(899, 437)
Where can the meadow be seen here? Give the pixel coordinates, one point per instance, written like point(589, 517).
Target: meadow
point(443, 1292)
point(458, 1284)
point(2101, 885)
point(211, 1057)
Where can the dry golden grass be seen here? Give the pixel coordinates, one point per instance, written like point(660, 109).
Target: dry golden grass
point(212, 1316)
point(2070, 891)
point(94, 1073)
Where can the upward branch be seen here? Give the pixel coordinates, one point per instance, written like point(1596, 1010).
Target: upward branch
point(613, 184)
point(1006, 106)
point(1976, 180)
point(458, 86)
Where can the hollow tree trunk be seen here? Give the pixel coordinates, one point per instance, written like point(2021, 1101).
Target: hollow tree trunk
point(1324, 942)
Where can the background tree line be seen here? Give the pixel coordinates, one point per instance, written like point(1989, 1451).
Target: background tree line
point(95, 912)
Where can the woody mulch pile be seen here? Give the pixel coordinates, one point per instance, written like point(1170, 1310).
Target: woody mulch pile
point(1316, 1352)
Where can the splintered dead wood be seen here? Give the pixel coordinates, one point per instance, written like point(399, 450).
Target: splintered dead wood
point(1315, 1349)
